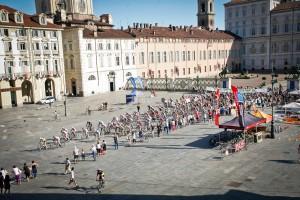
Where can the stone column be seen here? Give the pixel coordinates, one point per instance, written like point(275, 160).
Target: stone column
point(5, 95)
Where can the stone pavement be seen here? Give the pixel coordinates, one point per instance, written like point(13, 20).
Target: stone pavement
point(176, 166)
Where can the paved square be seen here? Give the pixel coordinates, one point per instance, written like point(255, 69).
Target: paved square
point(180, 165)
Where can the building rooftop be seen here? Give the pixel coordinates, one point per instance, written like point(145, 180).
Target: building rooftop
point(287, 6)
point(29, 20)
point(181, 32)
point(237, 2)
point(107, 33)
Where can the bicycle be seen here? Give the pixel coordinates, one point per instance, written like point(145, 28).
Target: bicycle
point(101, 184)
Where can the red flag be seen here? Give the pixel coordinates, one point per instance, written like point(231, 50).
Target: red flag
point(236, 100)
point(218, 94)
point(217, 119)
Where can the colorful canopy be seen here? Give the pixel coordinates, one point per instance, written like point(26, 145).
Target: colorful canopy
point(250, 122)
point(261, 114)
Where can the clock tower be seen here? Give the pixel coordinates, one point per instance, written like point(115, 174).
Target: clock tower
point(206, 13)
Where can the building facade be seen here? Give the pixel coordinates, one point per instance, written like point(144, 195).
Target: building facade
point(31, 57)
point(265, 27)
point(97, 61)
point(183, 52)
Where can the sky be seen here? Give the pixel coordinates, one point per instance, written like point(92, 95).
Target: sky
point(126, 12)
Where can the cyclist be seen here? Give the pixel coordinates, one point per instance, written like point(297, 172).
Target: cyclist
point(56, 140)
point(100, 179)
point(73, 132)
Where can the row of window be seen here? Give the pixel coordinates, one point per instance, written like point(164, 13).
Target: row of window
point(23, 32)
point(4, 17)
point(184, 71)
point(255, 10)
point(275, 62)
point(22, 46)
point(182, 56)
point(108, 46)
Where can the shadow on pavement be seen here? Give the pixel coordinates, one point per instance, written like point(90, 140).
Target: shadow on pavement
point(202, 143)
point(286, 161)
point(232, 194)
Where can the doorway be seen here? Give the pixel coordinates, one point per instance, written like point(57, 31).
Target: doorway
point(74, 88)
point(49, 88)
point(112, 86)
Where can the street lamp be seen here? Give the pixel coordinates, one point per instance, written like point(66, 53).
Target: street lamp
point(272, 102)
point(65, 104)
point(166, 77)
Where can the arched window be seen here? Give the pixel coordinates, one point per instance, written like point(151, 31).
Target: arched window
point(4, 16)
point(92, 78)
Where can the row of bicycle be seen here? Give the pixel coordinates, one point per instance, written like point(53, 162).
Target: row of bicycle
point(66, 136)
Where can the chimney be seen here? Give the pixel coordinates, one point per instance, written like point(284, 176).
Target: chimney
point(180, 27)
point(122, 28)
point(141, 25)
point(150, 26)
point(145, 25)
point(133, 25)
point(95, 33)
point(156, 24)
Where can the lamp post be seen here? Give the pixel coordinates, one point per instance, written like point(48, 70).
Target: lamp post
point(65, 104)
point(166, 77)
point(272, 102)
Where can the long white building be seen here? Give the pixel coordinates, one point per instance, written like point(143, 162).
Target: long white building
point(31, 58)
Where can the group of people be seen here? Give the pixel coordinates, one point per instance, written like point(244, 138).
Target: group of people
point(27, 173)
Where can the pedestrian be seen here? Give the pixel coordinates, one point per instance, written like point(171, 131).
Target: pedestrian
point(3, 172)
point(138, 108)
point(7, 184)
point(98, 148)
point(94, 152)
point(116, 142)
point(103, 147)
point(158, 129)
point(76, 154)
point(17, 172)
point(55, 115)
point(72, 178)
point(67, 166)
point(133, 137)
point(1, 183)
point(34, 167)
point(82, 155)
point(166, 126)
point(26, 172)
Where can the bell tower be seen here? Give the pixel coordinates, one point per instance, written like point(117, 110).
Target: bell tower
point(206, 13)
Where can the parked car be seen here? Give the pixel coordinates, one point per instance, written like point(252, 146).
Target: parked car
point(47, 100)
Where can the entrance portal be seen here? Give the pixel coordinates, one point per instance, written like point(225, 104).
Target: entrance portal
point(49, 88)
point(74, 88)
point(112, 79)
point(27, 92)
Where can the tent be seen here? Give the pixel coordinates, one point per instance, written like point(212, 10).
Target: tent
point(260, 114)
point(296, 92)
point(292, 106)
point(250, 122)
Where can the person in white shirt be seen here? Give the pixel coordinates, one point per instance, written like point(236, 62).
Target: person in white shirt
point(17, 172)
point(67, 166)
point(4, 172)
point(72, 178)
point(76, 154)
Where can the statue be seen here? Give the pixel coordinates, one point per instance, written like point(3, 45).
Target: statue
point(223, 73)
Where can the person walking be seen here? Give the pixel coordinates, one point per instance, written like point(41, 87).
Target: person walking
point(26, 172)
point(72, 178)
point(17, 172)
point(103, 147)
point(34, 167)
point(299, 152)
point(7, 184)
point(3, 172)
point(82, 155)
point(76, 154)
point(138, 108)
point(67, 166)
point(1, 183)
point(116, 141)
point(94, 152)
point(98, 148)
